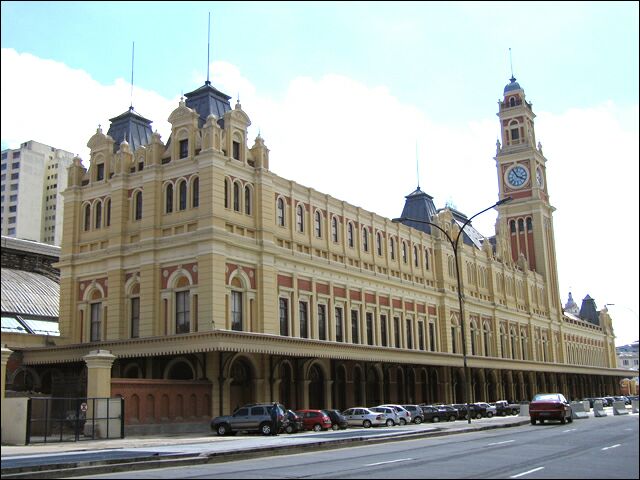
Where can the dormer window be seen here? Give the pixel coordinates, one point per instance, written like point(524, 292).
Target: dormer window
point(236, 150)
point(184, 148)
point(100, 172)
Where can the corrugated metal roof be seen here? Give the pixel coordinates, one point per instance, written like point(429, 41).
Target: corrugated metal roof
point(29, 293)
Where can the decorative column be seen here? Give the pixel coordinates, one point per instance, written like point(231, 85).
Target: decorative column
point(99, 364)
point(6, 353)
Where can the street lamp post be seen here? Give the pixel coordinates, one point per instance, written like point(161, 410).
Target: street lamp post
point(454, 245)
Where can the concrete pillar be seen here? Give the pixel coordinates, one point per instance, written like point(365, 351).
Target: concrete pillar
point(6, 353)
point(99, 364)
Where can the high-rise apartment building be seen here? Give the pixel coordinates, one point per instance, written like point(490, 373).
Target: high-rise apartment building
point(33, 176)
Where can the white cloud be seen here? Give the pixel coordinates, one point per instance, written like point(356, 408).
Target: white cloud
point(357, 143)
point(49, 102)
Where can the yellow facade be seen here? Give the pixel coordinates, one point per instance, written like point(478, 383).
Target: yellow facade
point(194, 251)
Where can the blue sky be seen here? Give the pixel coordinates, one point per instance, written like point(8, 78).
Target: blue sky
point(362, 83)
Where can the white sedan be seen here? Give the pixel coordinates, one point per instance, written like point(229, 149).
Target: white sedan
point(363, 417)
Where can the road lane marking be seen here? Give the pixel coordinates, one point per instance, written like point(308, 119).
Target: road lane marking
point(390, 461)
point(527, 473)
point(500, 443)
point(612, 446)
point(570, 430)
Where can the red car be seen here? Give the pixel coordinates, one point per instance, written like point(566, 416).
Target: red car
point(315, 420)
point(550, 406)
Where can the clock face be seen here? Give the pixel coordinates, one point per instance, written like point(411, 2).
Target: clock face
point(517, 176)
point(539, 177)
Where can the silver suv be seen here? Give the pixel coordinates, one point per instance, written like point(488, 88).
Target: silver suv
point(250, 418)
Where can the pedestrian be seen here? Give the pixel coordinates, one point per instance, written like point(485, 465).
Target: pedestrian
point(274, 419)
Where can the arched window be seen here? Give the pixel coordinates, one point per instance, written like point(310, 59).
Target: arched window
point(379, 243)
point(300, 218)
point(318, 224)
point(350, 234)
point(107, 208)
point(280, 212)
point(87, 217)
point(415, 256)
point(334, 229)
point(512, 225)
point(247, 200)
point(426, 259)
point(404, 252)
point(236, 196)
point(529, 224)
point(520, 225)
point(195, 193)
point(392, 248)
point(182, 194)
point(168, 199)
point(226, 193)
point(365, 239)
point(98, 218)
point(514, 131)
point(137, 202)
point(512, 102)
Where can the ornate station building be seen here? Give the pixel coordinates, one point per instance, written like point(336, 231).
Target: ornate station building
point(198, 280)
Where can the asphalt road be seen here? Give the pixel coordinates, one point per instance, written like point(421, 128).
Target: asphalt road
point(591, 448)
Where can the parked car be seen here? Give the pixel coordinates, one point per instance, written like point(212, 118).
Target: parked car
point(622, 398)
point(363, 417)
point(489, 410)
point(403, 414)
point(609, 401)
point(549, 406)
point(416, 413)
point(476, 411)
point(433, 414)
point(391, 416)
point(295, 422)
point(315, 420)
point(450, 413)
point(250, 418)
point(504, 408)
point(338, 421)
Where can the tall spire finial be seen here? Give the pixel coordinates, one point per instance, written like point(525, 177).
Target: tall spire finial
point(208, 44)
point(511, 62)
point(133, 49)
point(417, 165)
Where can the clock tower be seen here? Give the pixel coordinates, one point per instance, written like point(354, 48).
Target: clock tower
point(527, 220)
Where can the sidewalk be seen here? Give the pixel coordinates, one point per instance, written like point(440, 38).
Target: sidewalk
point(211, 443)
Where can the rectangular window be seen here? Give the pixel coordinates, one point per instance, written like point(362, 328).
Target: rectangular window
point(135, 317)
point(236, 150)
point(354, 326)
point(396, 330)
point(284, 317)
point(432, 337)
point(322, 321)
point(236, 311)
point(15, 176)
point(383, 330)
point(100, 172)
point(421, 335)
point(184, 148)
point(304, 320)
point(339, 324)
point(182, 312)
point(453, 340)
point(409, 334)
point(96, 321)
point(369, 320)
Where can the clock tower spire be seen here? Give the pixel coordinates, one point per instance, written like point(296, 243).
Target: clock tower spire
point(527, 220)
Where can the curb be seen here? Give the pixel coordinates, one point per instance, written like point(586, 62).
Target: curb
point(94, 467)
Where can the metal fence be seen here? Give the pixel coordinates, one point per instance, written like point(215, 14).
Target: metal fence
point(57, 419)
